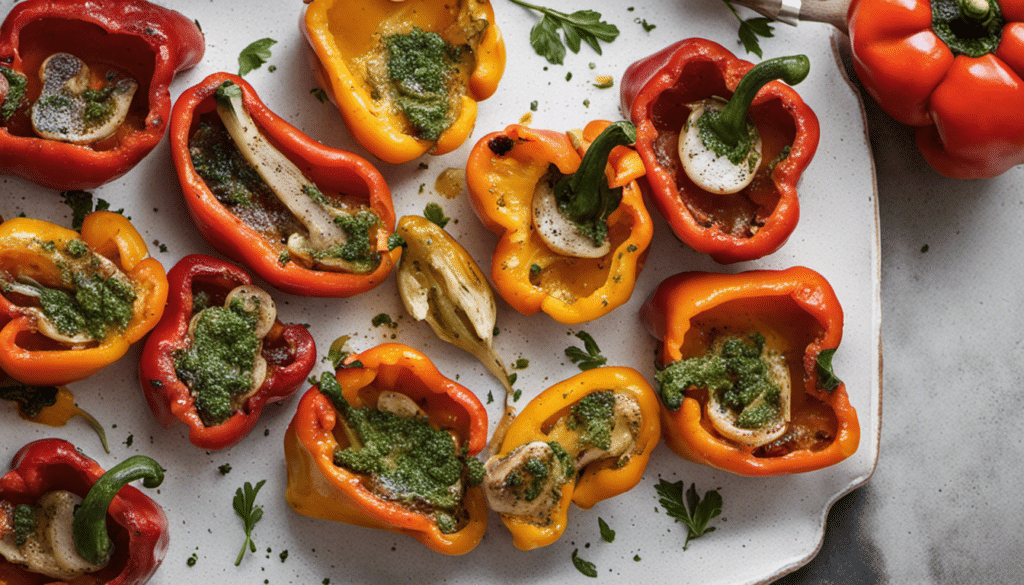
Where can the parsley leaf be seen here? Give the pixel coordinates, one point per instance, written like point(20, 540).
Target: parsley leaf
point(249, 513)
point(81, 205)
point(827, 378)
point(607, 534)
point(694, 512)
point(255, 55)
point(582, 25)
point(585, 567)
point(589, 359)
point(434, 213)
point(752, 28)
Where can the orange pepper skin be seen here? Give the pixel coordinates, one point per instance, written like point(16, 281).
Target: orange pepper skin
point(501, 185)
point(137, 524)
point(683, 310)
point(288, 348)
point(654, 94)
point(328, 168)
point(340, 30)
point(32, 359)
point(320, 489)
point(965, 109)
point(601, 479)
point(150, 42)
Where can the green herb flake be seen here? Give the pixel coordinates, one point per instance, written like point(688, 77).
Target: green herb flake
point(636, 558)
point(827, 378)
point(128, 442)
point(517, 393)
point(490, 397)
point(284, 555)
point(319, 94)
point(582, 25)
point(434, 213)
point(192, 560)
point(533, 106)
point(607, 534)
point(255, 55)
point(643, 23)
point(752, 28)
point(590, 358)
point(395, 241)
point(224, 469)
point(568, 76)
point(244, 505)
point(383, 319)
point(586, 567)
point(693, 511)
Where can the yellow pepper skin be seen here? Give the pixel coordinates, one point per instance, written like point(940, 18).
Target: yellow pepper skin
point(32, 359)
point(340, 32)
point(601, 479)
point(501, 188)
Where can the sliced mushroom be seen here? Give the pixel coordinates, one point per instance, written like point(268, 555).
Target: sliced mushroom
point(712, 172)
point(64, 111)
point(724, 419)
point(300, 195)
point(88, 263)
point(525, 483)
point(557, 232)
point(50, 550)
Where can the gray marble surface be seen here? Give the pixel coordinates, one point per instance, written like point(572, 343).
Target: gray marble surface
point(943, 505)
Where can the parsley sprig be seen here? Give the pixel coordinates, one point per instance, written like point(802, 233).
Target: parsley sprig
point(255, 55)
point(694, 512)
point(582, 25)
point(250, 514)
point(750, 29)
point(589, 359)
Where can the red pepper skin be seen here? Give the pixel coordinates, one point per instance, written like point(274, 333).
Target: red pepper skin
point(170, 399)
point(965, 110)
point(330, 169)
point(137, 524)
point(107, 29)
point(654, 94)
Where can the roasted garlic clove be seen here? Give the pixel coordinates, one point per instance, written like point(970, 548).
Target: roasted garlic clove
point(399, 405)
point(712, 172)
point(526, 483)
point(68, 111)
point(557, 232)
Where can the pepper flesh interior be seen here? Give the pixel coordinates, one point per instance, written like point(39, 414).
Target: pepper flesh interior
point(526, 482)
point(50, 548)
point(296, 192)
point(69, 111)
point(712, 171)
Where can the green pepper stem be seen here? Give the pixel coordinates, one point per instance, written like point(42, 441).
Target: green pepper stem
point(90, 525)
point(591, 171)
point(731, 125)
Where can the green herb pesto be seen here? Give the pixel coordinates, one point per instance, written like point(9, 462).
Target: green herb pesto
point(95, 306)
point(407, 459)
point(357, 248)
point(76, 248)
point(98, 105)
point(224, 169)
point(739, 375)
point(736, 153)
point(383, 319)
point(421, 64)
point(16, 86)
point(31, 399)
point(24, 523)
point(315, 194)
point(217, 366)
point(475, 472)
point(594, 417)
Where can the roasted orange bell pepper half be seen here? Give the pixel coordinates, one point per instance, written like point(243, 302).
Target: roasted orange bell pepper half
point(73, 303)
point(735, 350)
point(583, 440)
point(388, 442)
point(309, 219)
point(531, 271)
point(406, 76)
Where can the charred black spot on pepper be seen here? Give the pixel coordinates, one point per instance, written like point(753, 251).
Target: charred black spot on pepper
point(500, 145)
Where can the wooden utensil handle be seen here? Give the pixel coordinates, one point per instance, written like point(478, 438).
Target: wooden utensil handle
point(828, 11)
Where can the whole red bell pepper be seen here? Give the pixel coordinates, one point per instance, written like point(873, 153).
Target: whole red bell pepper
point(951, 68)
point(334, 177)
point(289, 352)
point(114, 39)
point(139, 537)
point(798, 319)
point(657, 93)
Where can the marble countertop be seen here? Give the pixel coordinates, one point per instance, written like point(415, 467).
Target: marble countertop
point(942, 505)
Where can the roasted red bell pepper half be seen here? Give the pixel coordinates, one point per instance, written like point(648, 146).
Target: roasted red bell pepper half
point(309, 219)
point(219, 354)
point(84, 86)
point(52, 483)
point(668, 96)
point(389, 442)
point(953, 69)
point(72, 303)
point(745, 370)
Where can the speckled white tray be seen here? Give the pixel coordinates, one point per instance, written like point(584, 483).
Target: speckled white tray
point(768, 526)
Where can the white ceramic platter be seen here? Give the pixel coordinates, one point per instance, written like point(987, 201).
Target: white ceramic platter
point(768, 526)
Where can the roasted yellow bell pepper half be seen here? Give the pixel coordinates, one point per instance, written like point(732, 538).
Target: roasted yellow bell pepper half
point(406, 76)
